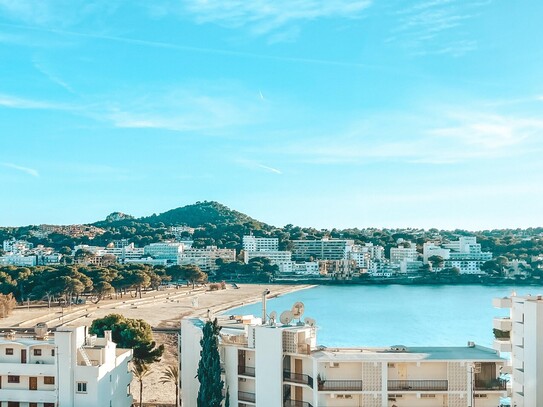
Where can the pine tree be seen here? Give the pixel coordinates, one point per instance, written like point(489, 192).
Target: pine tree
point(209, 367)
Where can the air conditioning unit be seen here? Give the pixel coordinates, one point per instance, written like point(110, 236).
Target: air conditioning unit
point(334, 364)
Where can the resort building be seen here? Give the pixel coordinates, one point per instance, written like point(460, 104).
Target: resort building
point(404, 251)
point(273, 365)
point(521, 334)
point(69, 369)
point(168, 251)
point(206, 258)
point(260, 244)
point(325, 249)
point(464, 254)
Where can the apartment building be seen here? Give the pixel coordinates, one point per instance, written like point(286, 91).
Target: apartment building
point(282, 365)
point(325, 249)
point(69, 369)
point(521, 334)
point(260, 244)
point(206, 258)
point(169, 251)
point(16, 246)
point(404, 252)
point(464, 254)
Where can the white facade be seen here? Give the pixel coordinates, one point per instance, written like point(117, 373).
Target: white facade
point(71, 370)
point(525, 328)
point(279, 365)
point(401, 253)
point(206, 258)
point(169, 251)
point(325, 249)
point(17, 246)
point(254, 244)
point(430, 249)
point(464, 254)
point(18, 260)
point(306, 268)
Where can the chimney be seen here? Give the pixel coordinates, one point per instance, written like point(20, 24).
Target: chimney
point(107, 336)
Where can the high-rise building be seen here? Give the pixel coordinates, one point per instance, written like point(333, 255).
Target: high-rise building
point(325, 249)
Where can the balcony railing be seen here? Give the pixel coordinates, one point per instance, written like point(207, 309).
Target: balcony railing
point(292, 377)
point(490, 385)
point(246, 371)
point(246, 396)
point(418, 385)
point(296, 403)
point(340, 385)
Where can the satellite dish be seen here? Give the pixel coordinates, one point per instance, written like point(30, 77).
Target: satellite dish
point(286, 317)
point(298, 310)
point(310, 321)
point(273, 317)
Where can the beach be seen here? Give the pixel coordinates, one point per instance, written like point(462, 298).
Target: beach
point(161, 309)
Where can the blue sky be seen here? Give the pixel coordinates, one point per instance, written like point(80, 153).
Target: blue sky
point(423, 113)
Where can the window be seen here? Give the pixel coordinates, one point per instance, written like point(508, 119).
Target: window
point(52, 352)
point(13, 404)
point(9, 351)
point(48, 404)
point(14, 379)
point(32, 404)
point(81, 387)
point(48, 380)
point(37, 352)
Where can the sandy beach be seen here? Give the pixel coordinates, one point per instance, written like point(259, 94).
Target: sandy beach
point(161, 309)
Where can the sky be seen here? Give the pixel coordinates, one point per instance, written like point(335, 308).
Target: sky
point(344, 113)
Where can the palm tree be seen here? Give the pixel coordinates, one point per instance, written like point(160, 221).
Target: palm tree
point(141, 371)
point(171, 375)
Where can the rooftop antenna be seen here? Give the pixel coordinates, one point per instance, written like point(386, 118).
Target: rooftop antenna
point(264, 293)
point(298, 310)
point(286, 317)
point(273, 317)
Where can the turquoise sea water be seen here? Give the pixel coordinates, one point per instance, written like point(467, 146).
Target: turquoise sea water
point(397, 314)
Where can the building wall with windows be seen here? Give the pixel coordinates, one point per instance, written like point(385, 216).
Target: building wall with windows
point(275, 364)
point(71, 369)
point(522, 336)
point(325, 249)
point(253, 244)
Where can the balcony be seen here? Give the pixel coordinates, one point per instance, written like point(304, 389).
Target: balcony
point(246, 371)
point(503, 324)
point(340, 385)
point(418, 385)
point(502, 345)
point(27, 396)
point(495, 384)
point(297, 378)
point(237, 340)
point(296, 403)
point(246, 396)
point(501, 302)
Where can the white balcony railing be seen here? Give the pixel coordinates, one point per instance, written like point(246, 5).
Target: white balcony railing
point(503, 324)
point(501, 302)
point(502, 345)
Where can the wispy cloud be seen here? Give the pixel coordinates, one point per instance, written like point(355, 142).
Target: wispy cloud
point(436, 26)
point(255, 165)
point(446, 136)
point(263, 17)
point(26, 170)
point(52, 77)
point(182, 110)
point(15, 102)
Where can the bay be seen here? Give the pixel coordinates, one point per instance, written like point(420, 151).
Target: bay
point(360, 315)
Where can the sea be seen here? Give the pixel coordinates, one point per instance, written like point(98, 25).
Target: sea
point(361, 315)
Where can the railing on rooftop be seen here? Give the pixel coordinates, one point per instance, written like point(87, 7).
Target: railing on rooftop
point(340, 385)
point(490, 384)
point(415, 385)
point(246, 370)
point(296, 403)
point(246, 396)
point(292, 377)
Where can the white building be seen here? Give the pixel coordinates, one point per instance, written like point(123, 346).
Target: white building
point(281, 365)
point(260, 244)
point(401, 253)
point(525, 330)
point(430, 249)
point(18, 260)
point(325, 249)
point(206, 258)
point(309, 268)
point(169, 251)
point(17, 246)
point(72, 369)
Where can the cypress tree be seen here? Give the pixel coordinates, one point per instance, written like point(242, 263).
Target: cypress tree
point(209, 367)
